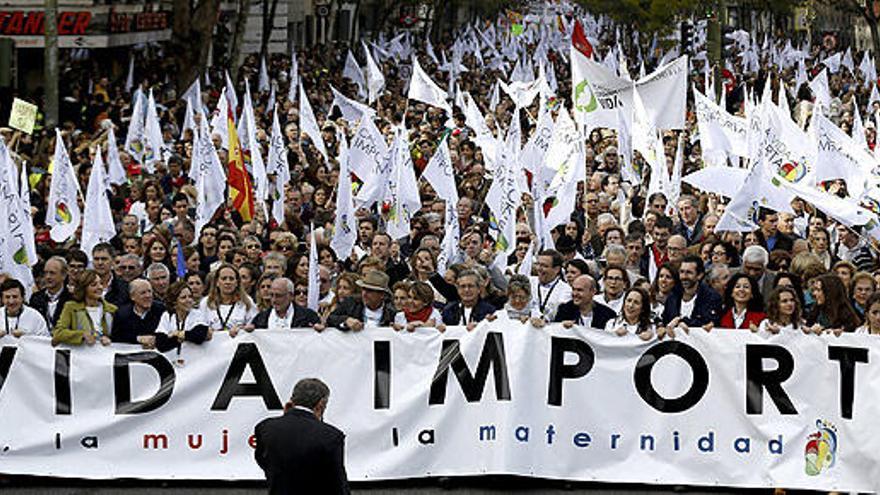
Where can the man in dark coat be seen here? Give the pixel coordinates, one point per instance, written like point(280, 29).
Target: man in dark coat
point(49, 301)
point(298, 451)
point(582, 310)
point(136, 322)
point(284, 313)
point(470, 309)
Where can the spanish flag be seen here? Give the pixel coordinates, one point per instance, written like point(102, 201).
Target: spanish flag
point(240, 188)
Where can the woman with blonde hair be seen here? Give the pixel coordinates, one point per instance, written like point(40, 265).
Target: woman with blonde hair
point(87, 318)
point(346, 286)
point(227, 307)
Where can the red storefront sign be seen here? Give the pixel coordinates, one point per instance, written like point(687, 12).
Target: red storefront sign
point(30, 23)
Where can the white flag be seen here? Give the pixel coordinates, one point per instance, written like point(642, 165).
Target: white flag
point(664, 93)
point(422, 88)
point(308, 125)
point(839, 156)
point(19, 232)
point(375, 79)
point(858, 127)
point(440, 174)
point(368, 151)
point(220, 121)
point(401, 190)
point(353, 72)
point(135, 142)
point(758, 190)
point(30, 246)
point(821, 90)
point(279, 167)
point(263, 81)
point(209, 176)
point(721, 134)
point(345, 224)
point(129, 80)
point(833, 62)
point(293, 76)
point(189, 120)
point(98, 223)
point(314, 282)
point(231, 97)
point(155, 141)
point(352, 110)
point(62, 212)
point(251, 149)
point(117, 173)
point(13, 257)
point(504, 196)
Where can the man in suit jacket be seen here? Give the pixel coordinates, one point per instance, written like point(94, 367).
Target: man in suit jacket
point(49, 301)
point(136, 322)
point(284, 313)
point(582, 310)
point(695, 302)
point(754, 264)
point(371, 310)
point(298, 451)
point(469, 309)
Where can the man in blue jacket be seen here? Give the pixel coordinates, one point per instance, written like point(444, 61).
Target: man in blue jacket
point(694, 302)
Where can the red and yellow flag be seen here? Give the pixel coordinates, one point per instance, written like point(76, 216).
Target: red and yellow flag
point(240, 188)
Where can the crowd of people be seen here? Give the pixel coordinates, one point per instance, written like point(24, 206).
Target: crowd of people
point(625, 262)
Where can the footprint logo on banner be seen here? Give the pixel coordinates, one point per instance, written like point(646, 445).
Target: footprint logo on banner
point(820, 452)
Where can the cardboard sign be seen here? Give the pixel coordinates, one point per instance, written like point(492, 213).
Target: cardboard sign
point(23, 116)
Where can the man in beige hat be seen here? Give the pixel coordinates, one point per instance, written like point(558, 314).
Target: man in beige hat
point(372, 309)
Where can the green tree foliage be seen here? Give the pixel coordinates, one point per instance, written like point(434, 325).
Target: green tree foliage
point(647, 15)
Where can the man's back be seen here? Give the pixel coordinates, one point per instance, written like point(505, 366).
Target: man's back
point(301, 454)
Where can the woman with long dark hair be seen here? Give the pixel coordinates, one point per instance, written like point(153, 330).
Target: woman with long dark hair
point(832, 310)
point(783, 311)
point(635, 315)
point(743, 305)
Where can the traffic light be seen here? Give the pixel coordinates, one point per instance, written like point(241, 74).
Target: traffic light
point(728, 43)
point(687, 37)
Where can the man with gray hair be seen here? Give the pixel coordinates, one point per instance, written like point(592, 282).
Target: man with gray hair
point(136, 322)
point(754, 264)
point(159, 276)
point(298, 451)
point(128, 267)
point(284, 313)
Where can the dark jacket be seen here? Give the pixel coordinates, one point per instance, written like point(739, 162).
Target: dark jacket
point(117, 293)
point(40, 302)
point(570, 312)
point(695, 236)
point(302, 317)
point(707, 307)
point(301, 454)
point(354, 308)
point(453, 313)
point(127, 326)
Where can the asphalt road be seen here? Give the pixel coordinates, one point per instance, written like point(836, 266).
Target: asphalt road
point(470, 486)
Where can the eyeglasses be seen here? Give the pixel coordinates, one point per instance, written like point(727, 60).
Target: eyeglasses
point(285, 247)
point(300, 292)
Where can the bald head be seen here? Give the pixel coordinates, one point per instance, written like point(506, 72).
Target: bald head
point(676, 247)
point(583, 289)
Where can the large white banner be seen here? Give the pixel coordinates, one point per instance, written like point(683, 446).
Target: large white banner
point(721, 408)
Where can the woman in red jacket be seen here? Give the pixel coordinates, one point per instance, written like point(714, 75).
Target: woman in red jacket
point(743, 304)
